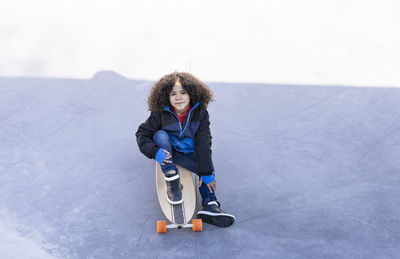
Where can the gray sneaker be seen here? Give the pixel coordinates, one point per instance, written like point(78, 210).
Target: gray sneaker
point(174, 188)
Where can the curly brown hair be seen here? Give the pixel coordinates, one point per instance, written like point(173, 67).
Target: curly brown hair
point(197, 90)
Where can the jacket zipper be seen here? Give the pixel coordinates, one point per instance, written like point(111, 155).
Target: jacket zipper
point(180, 126)
point(187, 121)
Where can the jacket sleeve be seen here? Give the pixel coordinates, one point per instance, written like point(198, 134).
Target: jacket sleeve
point(203, 146)
point(144, 135)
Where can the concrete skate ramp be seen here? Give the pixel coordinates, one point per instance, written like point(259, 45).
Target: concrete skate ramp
point(308, 171)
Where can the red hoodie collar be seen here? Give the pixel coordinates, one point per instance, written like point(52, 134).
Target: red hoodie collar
point(182, 117)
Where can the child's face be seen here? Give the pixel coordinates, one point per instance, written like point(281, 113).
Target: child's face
point(179, 98)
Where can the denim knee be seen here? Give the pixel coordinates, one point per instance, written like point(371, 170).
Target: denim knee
point(161, 138)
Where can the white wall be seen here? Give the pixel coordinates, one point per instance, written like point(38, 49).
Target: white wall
point(345, 42)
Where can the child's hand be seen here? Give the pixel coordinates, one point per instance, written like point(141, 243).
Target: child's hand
point(212, 187)
point(168, 158)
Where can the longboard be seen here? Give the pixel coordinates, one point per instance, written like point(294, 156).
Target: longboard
point(179, 215)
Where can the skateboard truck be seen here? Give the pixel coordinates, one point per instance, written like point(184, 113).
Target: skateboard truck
point(197, 226)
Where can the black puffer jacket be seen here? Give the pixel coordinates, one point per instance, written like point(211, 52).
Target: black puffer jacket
point(195, 131)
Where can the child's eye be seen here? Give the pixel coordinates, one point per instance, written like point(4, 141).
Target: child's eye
point(172, 94)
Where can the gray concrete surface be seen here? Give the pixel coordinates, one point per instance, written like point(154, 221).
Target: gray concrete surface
point(308, 171)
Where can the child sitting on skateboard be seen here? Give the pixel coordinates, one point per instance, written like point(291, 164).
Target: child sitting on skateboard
point(178, 132)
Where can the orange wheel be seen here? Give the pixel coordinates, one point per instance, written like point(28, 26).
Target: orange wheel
point(197, 225)
point(161, 226)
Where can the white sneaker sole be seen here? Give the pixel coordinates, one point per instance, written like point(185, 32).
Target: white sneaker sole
point(217, 219)
point(215, 214)
point(175, 202)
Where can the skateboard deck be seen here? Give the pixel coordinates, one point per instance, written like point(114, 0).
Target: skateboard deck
point(179, 215)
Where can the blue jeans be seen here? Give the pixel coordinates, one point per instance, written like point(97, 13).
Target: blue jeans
point(187, 161)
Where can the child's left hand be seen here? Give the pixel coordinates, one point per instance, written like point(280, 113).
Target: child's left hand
point(212, 187)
